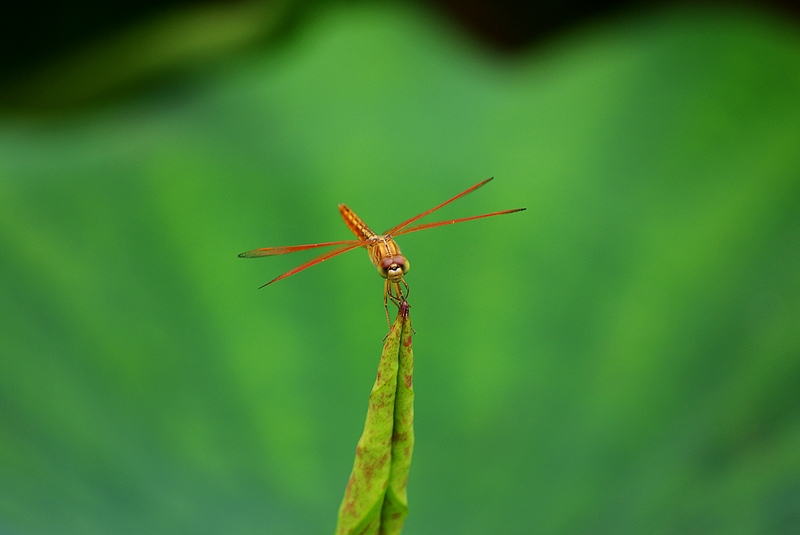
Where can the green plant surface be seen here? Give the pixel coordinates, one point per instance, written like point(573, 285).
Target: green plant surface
point(375, 499)
point(623, 357)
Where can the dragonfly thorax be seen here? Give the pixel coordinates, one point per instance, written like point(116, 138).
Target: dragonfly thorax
point(386, 256)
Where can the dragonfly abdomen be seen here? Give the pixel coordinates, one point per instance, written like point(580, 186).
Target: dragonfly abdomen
point(356, 224)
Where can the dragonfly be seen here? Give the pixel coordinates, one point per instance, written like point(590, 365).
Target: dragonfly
point(382, 249)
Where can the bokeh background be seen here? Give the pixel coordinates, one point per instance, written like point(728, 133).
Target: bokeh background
point(623, 357)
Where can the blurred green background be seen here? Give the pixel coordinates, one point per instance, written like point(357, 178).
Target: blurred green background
point(623, 357)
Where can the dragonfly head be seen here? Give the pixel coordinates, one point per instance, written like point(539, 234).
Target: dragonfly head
point(393, 267)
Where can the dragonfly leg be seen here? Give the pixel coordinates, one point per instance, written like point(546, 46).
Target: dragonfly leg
point(405, 303)
point(396, 294)
point(387, 291)
point(392, 291)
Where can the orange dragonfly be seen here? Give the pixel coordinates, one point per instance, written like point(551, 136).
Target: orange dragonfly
point(383, 250)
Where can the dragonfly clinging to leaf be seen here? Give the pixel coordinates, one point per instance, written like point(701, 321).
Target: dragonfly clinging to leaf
point(383, 250)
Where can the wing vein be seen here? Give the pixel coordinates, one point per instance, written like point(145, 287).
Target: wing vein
point(393, 231)
point(314, 261)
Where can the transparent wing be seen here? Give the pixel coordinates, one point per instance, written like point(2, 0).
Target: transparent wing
point(272, 251)
point(394, 230)
point(316, 260)
point(453, 221)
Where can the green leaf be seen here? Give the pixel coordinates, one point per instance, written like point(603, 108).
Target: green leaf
point(375, 500)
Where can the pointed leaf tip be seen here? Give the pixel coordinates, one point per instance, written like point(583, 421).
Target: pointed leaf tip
point(375, 498)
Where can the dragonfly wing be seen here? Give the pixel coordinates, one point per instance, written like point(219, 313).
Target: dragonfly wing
point(424, 226)
point(352, 244)
point(394, 230)
point(272, 251)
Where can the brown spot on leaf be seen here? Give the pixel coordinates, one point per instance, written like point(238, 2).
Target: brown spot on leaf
point(399, 437)
point(369, 467)
point(349, 500)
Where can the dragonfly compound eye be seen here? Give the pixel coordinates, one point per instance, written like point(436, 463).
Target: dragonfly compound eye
point(401, 262)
